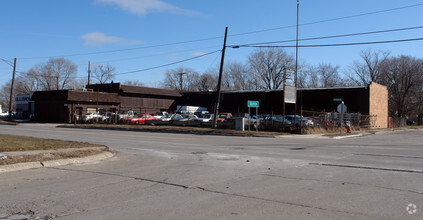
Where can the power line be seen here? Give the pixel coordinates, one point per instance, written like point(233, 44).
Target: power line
point(169, 64)
point(343, 44)
point(334, 36)
point(161, 54)
point(150, 68)
point(219, 37)
point(329, 20)
point(121, 50)
point(7, 62)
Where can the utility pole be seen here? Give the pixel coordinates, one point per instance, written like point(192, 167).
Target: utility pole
point(296, 74)
point(219, 83)
point(181, 80)
point(11, 90)
point(89, 72)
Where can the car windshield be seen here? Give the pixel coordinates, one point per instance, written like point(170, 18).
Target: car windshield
point(277, 117)
point(205, 116)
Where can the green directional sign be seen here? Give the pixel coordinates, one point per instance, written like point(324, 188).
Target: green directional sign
point(338, 99)
point(253, 104)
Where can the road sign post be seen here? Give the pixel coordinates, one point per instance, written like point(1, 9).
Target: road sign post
point(252, 104)
point(342, 108)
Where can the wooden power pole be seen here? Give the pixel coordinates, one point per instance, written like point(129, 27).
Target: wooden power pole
point(11, 90)
point(219, 83)
point(89, 72)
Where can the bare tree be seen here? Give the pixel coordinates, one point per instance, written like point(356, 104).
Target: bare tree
point(369, 69)
point(323, 76)
point(78, 83)
point(207, 82)
point(133, 83)
point(403, 76)
point(56, 74)
point(5, 95)
point(103, 73)
point(271, 67)
point(23, 85)
point(181, 79)
point(239, 76)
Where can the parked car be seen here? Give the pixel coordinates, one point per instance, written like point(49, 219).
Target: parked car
point(221, 117)
point(125, 114)
point(183, 119)
point(410, 122)
point(94, 117)
point(205, 117)
point(203, 120)
point(295, 120)
point(160, 114)
point(274, 122)
point(138, 119)
point(247, 119)
point(164, 120)
point(260, 118)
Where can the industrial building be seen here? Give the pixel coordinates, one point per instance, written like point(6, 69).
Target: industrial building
point(61, 106)
point(371, 100)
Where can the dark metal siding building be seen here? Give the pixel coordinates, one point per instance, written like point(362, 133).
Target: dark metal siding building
point(61, 105)
point(367, 100)
point(140, 99)
point(271, 101)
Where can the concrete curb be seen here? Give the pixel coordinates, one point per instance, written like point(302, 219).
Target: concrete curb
point(55, 163)
point(348, 136)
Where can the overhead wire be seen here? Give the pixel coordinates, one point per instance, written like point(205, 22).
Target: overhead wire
point(219, 37)
point(169, 64)
point(154, 55)
point(151, 68)
point(341, 44)
point(121, 50)
point(334, 36)
point(328, 20)
point(10, 63)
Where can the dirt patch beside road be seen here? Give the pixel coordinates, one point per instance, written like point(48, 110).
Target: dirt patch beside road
point(19, 149)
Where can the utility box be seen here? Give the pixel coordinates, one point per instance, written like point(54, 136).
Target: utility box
point(239, 124)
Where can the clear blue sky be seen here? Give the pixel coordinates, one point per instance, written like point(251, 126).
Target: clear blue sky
point(32, 31)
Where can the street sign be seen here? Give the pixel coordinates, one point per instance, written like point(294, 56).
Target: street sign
point(338, 99)
point(342, 108)
point(253, 104)
point(290, 94)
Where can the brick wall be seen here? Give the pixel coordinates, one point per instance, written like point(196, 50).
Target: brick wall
point(379, 104)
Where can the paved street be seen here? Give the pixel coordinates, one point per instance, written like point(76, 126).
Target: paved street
point(182, 176)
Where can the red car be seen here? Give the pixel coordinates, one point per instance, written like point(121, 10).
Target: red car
point(138, 119)
point(221, 117)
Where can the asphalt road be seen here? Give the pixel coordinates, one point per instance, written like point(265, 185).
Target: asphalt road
point(181, 176)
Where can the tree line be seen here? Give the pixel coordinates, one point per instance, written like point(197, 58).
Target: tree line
point(265, 69)
point(270, 68)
